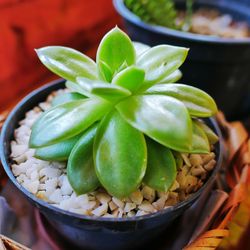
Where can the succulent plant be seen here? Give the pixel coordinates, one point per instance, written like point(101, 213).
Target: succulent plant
point(161, 12)
point(125, 120)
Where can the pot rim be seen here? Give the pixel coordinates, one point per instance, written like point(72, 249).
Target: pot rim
point(48, 206)
point(131, 17)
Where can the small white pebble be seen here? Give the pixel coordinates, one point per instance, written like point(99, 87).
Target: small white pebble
point(17, 150)
point(49, 172)
point(129, 206)
point(136, 197)
point(66, 187)
point(34, 175)
point(195, 159)
point(18, 169)
point(159, 204)
point(31, 186)
point(147, 207)
point(118, 202)
point(103, 198)
point(69, 203)
point(148, 193)
point(79, 211)
point(89, 206)
point(56, 196)
point(131, 214)
point(101, 210)
point(112, 205)
point(140, 213)
point(186, 159)
point(82, 199)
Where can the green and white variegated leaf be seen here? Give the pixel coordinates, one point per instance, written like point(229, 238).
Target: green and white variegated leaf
point(198, 102)
point(67, 63)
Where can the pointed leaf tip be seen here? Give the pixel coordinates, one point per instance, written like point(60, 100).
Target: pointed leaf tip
point(115, 48)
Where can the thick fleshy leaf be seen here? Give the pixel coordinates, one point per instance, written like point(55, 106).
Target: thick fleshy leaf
point(73, 86)
point(67, 63)
point(130, 78)
point(120, 155)
point(162, 118)
point(66, 97)
point(67, 120)
point(160, 61)
point(114, 50)
point(198, 102)
point(161, 168)
point(106, 72)
point(200, 143)
point(140, 48)
point(212, 137)
point(109, 92)
point(80, 168)
point(59, 151)
point(174, 77)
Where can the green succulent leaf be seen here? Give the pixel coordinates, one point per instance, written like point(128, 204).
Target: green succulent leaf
point(200, 143)
point(130, 78)
point(161, 168)
point(198, 102)
point(67, 63)
point(59, 151)
point(75, 87)
point(140, 48)
point(162, 118)
point(66, 97)
point(109, 92)
point(173, 77)
point(67, 120)
point(161, 61)
point(120, 155)
point(212, 137)
point(80, 168)
point(106, 73)
point(114, 50)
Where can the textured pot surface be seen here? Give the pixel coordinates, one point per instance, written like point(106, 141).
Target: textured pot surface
point(219, 66)
point(96, 232)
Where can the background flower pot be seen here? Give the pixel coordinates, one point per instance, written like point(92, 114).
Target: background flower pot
point(96, 232)
point(217, 65)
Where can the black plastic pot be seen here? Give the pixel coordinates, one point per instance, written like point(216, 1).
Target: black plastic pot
point(219, 66)
point(95, 232)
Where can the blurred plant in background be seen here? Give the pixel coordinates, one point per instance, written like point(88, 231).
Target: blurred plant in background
point(161, 12)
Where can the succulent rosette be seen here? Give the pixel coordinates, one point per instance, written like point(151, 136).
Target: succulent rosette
point(125, 120)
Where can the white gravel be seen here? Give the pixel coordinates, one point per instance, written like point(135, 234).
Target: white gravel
point(48, 180)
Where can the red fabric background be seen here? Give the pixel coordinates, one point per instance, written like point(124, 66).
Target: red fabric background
point(29, 24)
